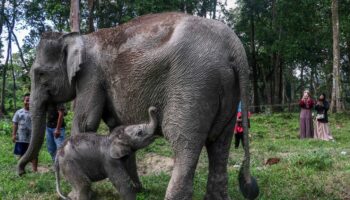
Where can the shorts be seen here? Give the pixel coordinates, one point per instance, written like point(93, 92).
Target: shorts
point(20, 148)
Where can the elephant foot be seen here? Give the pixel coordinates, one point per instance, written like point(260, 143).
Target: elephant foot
point(216, 196)
point(72, 195)
point(138, 187)
point(20, 170)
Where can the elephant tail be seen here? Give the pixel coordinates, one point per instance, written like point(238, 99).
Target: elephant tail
point(247, 184)
point(57, 175)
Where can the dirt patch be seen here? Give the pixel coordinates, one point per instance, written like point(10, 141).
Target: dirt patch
point(154, 164)
point(43, 169)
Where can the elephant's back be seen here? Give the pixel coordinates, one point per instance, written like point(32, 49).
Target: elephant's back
point(148, 31)
point(154, 58)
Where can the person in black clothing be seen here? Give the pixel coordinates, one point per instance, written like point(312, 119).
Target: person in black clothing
point(322, 129)
point(55, 128)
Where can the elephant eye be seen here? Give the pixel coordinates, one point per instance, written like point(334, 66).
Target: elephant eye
point(139, 133)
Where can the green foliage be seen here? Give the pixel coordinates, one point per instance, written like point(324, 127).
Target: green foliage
point(5, 127)
point(308, 169)
point(43, 16)
point(299, 34)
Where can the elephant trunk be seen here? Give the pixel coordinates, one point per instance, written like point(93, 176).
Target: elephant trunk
point(248, 184)
point(38, 116)
point(153, 123)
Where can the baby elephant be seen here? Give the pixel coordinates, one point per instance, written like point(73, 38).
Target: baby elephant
point(86, 158)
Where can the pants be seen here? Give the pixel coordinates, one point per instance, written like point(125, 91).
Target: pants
point(20, 148)
point(238, 138)
point(54, 143)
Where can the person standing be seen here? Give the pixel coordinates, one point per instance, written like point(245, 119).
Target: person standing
point(238, 129)
point(21, 132)
point(306, 125)
point(322, 129)
point(55, 128)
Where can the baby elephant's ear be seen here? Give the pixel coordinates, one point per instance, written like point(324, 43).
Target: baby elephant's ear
point(118, 150)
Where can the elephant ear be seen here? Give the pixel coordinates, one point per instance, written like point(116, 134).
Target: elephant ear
point(119, 149)
point(75, 54)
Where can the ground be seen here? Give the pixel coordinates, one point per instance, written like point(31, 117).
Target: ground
point(285, 166)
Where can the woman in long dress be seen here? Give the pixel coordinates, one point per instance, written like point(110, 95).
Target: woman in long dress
point(306, 125)
point(322, 129)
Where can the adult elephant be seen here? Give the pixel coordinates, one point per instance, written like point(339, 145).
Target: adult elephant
point(194, 70)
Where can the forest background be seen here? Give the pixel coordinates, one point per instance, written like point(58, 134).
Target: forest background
point(290, 44)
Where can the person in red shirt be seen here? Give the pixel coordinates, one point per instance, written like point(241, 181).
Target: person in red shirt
point(238, 129)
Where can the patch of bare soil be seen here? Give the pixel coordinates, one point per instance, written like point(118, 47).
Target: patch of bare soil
point(154, 164)
point(43, 169)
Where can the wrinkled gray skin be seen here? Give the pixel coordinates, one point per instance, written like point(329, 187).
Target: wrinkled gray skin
point(86, 158)
point(194, 70)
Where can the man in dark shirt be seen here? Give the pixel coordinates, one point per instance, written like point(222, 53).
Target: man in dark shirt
point(55, 128)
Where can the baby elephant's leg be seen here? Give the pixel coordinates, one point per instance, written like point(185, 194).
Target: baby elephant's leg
point(80, 182)
point(123, 183)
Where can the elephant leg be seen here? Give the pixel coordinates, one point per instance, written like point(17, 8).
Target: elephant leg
point(122, 182)
point(186, 124)
point(80, 182)
point(88, 112)
point(181, 182)
point(131, 168)
point(187, 138)
point(81, 188)
point(83, 192)
point(218, 153)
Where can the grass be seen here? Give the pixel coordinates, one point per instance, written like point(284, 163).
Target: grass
point(308, 169)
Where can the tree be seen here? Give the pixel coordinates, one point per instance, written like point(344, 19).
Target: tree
point(74, 18)
point(336, 102)
point(91, 6)
point(10, 26)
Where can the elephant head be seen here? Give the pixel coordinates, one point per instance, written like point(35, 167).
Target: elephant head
point(133, 137)
point(58, 59)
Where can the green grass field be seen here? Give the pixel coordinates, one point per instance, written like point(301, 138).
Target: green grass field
point(308, 169)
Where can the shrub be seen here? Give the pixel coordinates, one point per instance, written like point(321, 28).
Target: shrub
point(5, 127)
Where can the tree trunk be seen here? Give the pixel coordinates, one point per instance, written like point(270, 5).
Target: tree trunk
point(203, 11)
point(214, 9)
point(302, 79)
point(2, 9)
point(263, 86)
point(276, 100)
point(336, 103)
point(348, 53)
point(74, 18)
point(91, 6)
point(253, 61)
point(1, 25)
point(276, 62)
point(10, 27)
point(4, 71)
point(14, 84)
point(312, 89)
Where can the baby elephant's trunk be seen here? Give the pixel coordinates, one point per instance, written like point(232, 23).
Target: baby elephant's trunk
point(152, 112)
